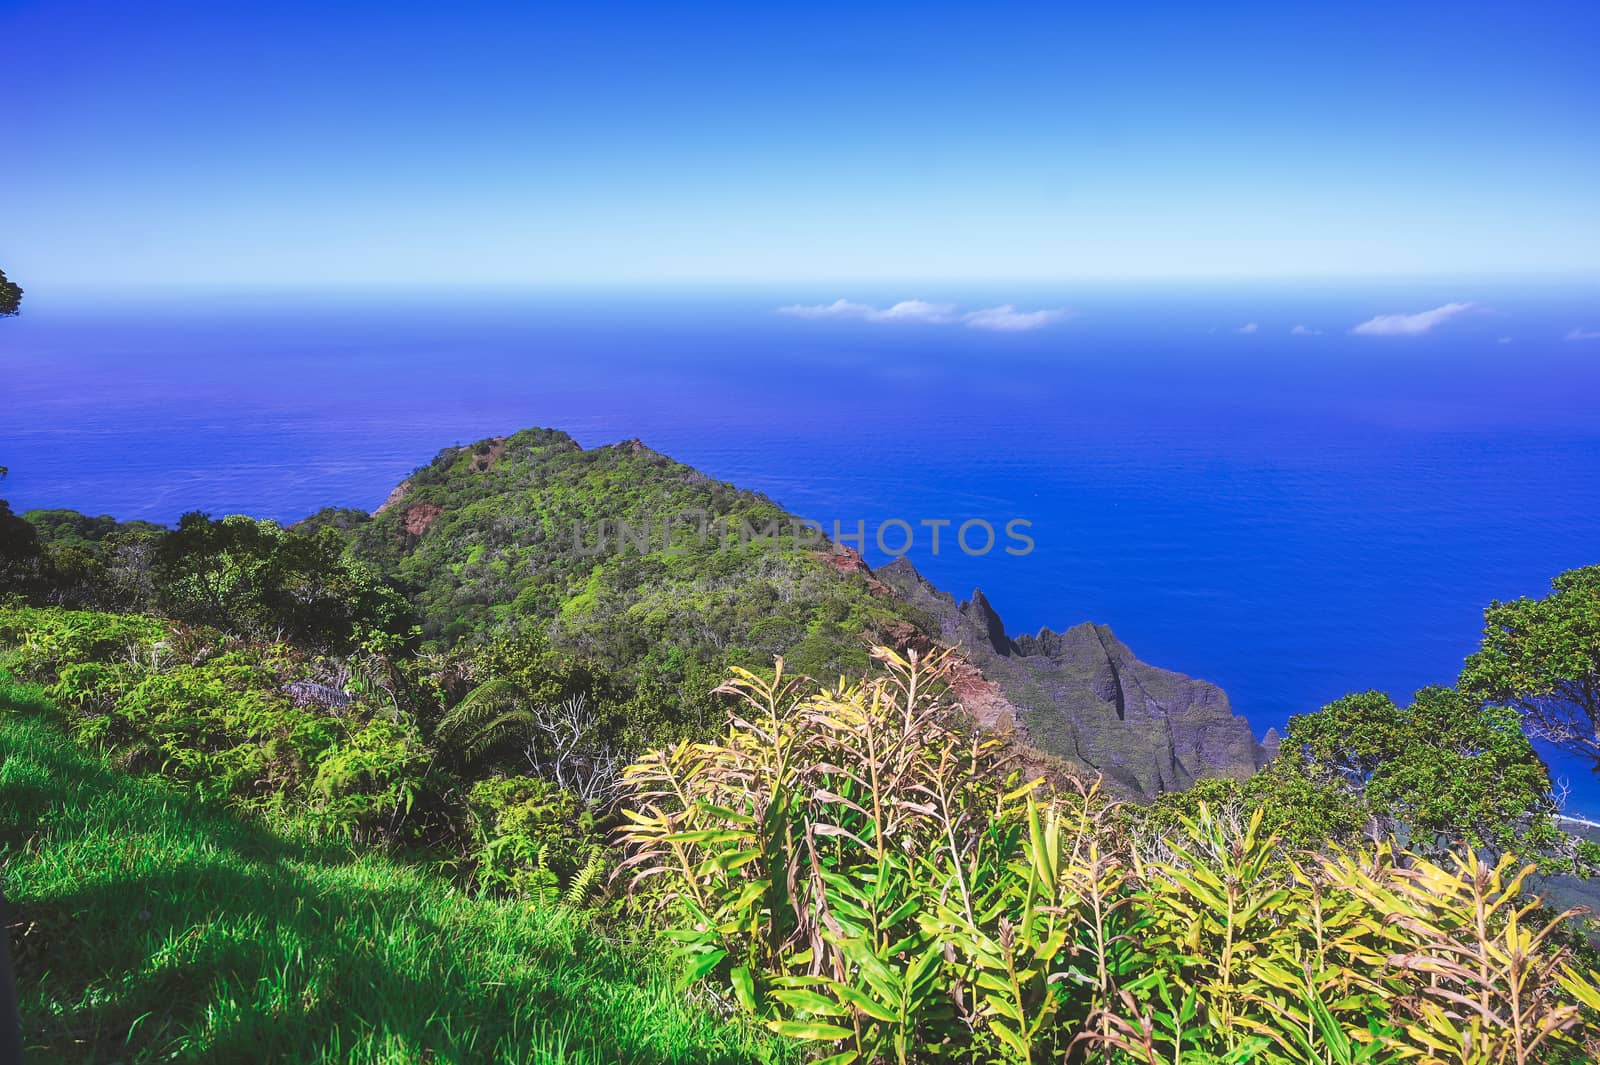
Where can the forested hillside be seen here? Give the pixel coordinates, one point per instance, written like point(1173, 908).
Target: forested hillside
point(629, 559)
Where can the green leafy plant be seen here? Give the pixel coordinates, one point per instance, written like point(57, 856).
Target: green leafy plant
point(534, 838)
point(847, 865)
point(221, 716)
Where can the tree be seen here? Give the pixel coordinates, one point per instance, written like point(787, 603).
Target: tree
point(256, 578)
point(1541, 657)
point(1445, 772)
point(12, 542)
point(533, 708)
point(20, 555)
point(10, 301)
point(10, 296)
point(566, 743)
point(96, 563)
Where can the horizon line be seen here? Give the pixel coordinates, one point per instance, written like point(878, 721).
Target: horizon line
point(37, 286)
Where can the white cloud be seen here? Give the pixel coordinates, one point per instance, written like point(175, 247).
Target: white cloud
point(904, 311)
point(1583, 334)
point(1410, 325)
point(915, 311)
point(836, 309)
point(1248, 327)
point(1305, 331)
point(1007, 319)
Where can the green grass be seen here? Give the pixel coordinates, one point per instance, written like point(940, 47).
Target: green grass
point(147, 927)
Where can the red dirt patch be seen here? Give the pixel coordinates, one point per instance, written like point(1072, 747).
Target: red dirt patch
point(845, 560)
point(987, 703)
point(982, 698)
point(420, 518)
point(486, 461)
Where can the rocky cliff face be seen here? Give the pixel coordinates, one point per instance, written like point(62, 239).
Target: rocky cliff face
point(1082, 695)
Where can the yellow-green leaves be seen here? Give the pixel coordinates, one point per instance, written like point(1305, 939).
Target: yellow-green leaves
point(852, 867)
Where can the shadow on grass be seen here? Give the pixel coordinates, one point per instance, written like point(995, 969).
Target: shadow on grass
point(36, 728)
point(153, 926)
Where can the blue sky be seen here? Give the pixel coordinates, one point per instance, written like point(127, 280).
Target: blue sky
point(516, 143)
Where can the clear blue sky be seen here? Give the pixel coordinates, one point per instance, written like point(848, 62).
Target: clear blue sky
point(533, 143)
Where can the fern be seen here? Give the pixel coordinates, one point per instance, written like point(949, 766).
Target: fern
point(583, 887)
point(491, 714)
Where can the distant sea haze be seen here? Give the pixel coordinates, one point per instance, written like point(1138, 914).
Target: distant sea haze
point(1295, 493)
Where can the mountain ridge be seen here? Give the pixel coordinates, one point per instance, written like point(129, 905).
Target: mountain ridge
point(663, 578)
point(1080, 694)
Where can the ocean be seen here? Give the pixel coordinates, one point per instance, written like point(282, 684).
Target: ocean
point(1292, 514)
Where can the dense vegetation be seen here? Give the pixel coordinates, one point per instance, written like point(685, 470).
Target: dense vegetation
point(153, 928)
point(10, 296)
point(1539, 658)
point(852, 864)
point(532, 529)
point(817, 862)
point(1447, 772)
point(502, 742)
point(617, 557)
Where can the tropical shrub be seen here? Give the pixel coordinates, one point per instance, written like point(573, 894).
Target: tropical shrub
point(848, 866)
point(47, 639)
point(536, 839)
point(517, 705)
point(255, 578)
point(242, 722)
point(854, 865)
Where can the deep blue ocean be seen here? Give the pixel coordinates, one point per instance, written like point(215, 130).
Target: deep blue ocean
point(1292, 516)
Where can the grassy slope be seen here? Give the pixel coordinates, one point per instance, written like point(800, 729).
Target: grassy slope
point(148, 927)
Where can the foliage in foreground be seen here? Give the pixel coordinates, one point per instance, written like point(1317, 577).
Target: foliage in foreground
point(246, 722)
point(152, 928)
point(356, 746)
point(846, 862)
point(854, 866)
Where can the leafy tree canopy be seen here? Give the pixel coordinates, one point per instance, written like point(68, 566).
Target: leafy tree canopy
point(19, 551)
point(1541, 657)
point(10, 296)
point(254, 577)
point(1444, 772)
